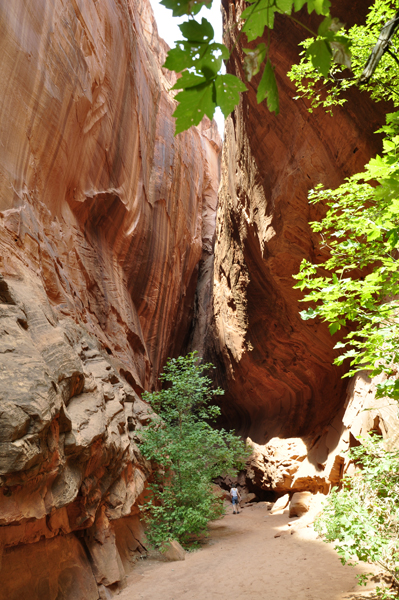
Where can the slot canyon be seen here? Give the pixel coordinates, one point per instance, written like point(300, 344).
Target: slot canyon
point(122, 245)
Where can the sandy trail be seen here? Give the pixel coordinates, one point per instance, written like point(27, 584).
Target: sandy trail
point(242, 559)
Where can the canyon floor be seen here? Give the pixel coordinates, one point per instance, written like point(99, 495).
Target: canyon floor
point(243, 559)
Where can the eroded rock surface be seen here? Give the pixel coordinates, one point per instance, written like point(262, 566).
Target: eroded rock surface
point(288, 466)
point(282, 466)
point(276, 368)
point(104, 218)
point(69, 460)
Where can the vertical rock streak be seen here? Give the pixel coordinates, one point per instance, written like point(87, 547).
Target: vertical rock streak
point(102, 226)
point(277, 369)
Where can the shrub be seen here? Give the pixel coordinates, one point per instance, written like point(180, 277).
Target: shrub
point(362, 518)
point(187, 453)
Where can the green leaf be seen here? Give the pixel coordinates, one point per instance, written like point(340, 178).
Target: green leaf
point(188, 80)
point(321, 55)
point(204, 57)
point(184, 7)
point(393, 237)
point(258, 16)
point(253, 60)
point(209, 64)
point(285, 6)
point(373, 235)
point(298, 4)
point(195, 102)
point(224, 51)
point(334, 327)
point(268, 89)
point(181, 57)
point(197, 32)
point(321, 7)
point(228, 88)
point(339, 345)
point(324, 26)
point(308, 314)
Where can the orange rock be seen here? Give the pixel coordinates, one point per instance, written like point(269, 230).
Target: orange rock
point(104, 218)
point(173, 551)
point(277, 369)
point(300, 504)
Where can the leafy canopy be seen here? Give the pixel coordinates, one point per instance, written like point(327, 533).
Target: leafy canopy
point(327, 87)
point(358, 284)
point(357, 287)
point(187, 453)
point(199, 58)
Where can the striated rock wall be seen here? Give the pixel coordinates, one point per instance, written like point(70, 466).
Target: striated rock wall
point(287, 465)
point(104, 218)
point(276, 368)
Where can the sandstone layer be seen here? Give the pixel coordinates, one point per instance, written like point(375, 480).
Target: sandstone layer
point(276, 368)
point(284, 467)
point(104, 219)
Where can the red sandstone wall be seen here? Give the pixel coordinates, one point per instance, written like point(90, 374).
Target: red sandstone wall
point(275, 367)
point(104, 218)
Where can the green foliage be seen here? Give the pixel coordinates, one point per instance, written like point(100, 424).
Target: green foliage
point(228, 88)
point(185, 7)
point(200, 58)
point(357, 287)
point(203, 88)
point(268, 88)
point(359, 282)
point(187, 453)
point(362, 518)
point(326, 87)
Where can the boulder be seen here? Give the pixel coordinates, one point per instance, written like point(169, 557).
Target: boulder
point(220, 492)
point(300, 504)
point(283, 465)
point(247, 498)
point(104, 593)
point(280, 504)
point(172, 551)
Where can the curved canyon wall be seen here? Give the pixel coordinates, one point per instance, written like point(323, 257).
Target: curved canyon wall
point(277, 369)
point(104, 219)
point(107, 225)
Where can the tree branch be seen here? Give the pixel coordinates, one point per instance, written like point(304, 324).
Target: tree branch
point(382, 46)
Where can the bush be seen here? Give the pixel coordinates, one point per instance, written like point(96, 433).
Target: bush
point(187, 453)
point(362, 518)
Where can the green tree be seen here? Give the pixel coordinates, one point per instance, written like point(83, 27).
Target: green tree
point(187, 453)
point(328, 88)
point(199, 58)
point(362, 518)
point(357, 285)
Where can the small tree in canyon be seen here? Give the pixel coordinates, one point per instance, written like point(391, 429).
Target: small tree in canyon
point(187, 453)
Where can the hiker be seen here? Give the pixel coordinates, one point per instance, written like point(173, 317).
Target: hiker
point(235, 498)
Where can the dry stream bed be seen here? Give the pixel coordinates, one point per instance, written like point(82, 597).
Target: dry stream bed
point(243, 559)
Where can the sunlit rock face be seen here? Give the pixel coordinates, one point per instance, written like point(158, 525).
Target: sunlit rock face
point(104, 219)
point(276, 368)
